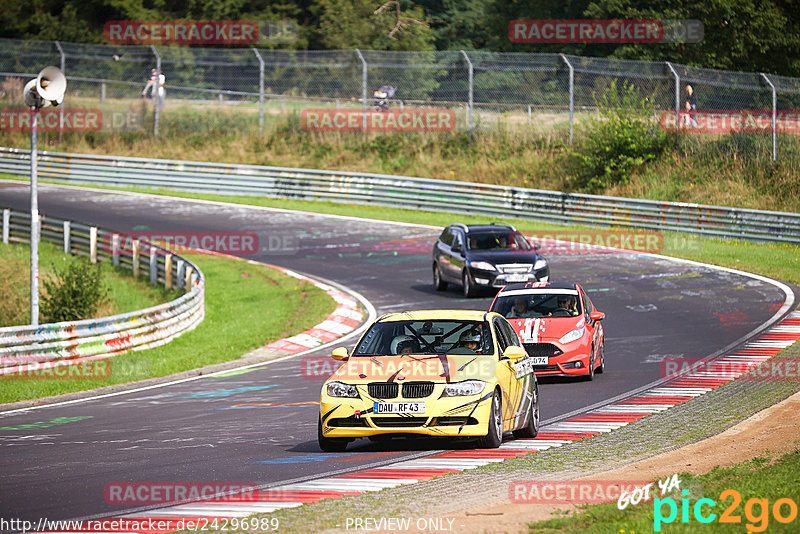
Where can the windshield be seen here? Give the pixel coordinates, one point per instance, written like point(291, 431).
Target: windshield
point(563, 303)
point(497, 241)
point(426, 337)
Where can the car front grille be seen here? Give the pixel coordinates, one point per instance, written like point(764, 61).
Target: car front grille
point(417, 390)
point(383, 390)
point(397, 422)
point(515, 268)
point(542, 349)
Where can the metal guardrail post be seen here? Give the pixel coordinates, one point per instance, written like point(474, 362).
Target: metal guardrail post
point(156, 90)
point(115, 250)
point(471, 87)
point(135, 259)
point(774, 117)
point(63, 69)
point(93, 244)
point(179, 272)
point(6, 224)
point(571, 96)
point(260, 90)
point(677, 102)
point(67, 231)
point(153, 266)
point(363, 86)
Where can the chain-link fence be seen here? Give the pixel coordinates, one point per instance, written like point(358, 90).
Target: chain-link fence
point(243, 88)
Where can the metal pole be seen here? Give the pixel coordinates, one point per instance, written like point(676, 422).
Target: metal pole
point(34, 223)
point(571, 96)
point(155, 89)
point(471, 87)
point(61, 111)
point(363, 87)
point(260, 90)
point(677, 102)
point(774, 117)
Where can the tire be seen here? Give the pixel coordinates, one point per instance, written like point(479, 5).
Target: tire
point(469, 289)
point(330, 444)
point(602, 368)
point(494, 437)
point(531, 428)
point(438, 283)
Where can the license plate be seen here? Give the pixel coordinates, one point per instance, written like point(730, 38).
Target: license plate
point(399, 407)
point(517, 278)
point(539, 360)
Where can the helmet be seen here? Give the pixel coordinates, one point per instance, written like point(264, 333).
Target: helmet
point(401, 342)
point(469, 336)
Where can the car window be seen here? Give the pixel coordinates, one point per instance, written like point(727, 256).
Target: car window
point(510, 334)
point(498, 241)
point(447, 237)
point(502, 341)
point(587, 305)
point(388, 338)
point(536, 305)
point(457, 241)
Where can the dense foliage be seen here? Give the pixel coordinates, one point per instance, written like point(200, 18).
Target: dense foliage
point(75, 292)
point(746, 35)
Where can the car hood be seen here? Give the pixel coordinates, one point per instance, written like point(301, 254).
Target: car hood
point(417, 367)
point(521, 256)
point(545, 329)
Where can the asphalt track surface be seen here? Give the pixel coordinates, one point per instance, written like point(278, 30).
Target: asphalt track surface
point(213, 429)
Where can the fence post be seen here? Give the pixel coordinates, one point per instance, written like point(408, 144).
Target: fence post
point(156, 90)
point(471, 88)
point(115, 250)
point(363, 87)
point(179, 272)
point(67, 236)
point(168, 271)
point(61, 110)
point(153, 265)
point(571, 96)
point(187, 281)
point(93, 244)
point(677, 102)
point(774, 117)
point(103, 93)
point(260, 90)
point(6, 224)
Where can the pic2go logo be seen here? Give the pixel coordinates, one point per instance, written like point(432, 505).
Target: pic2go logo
point(756, 511)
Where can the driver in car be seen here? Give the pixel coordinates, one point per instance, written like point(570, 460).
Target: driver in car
point(470, 339)
point(404, 345)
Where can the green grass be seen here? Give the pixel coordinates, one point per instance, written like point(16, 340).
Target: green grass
point(124, 295)
point(246, 307)
point(760, 478)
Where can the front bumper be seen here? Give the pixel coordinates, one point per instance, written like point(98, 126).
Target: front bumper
point(496, 279)
point(464, 416)
point(573, 359)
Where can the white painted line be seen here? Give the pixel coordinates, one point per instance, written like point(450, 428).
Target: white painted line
point(534, 444)
point(632, 408)
point(216, 510)
point(347, 484)
point(444, 463)
point(605, 426)
point(769, 343)
point(677, 391)
point(792, 329)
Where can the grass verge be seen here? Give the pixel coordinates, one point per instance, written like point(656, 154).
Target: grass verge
point(760, 483)
point(125, 295)
point(246, 306)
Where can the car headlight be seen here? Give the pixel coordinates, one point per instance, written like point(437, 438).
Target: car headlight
point(468, 387)
point(338, 389)
point(482, 265)
point(569, 337)
point(540, 264)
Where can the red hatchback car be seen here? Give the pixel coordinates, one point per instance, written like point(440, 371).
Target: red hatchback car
point(558, 325)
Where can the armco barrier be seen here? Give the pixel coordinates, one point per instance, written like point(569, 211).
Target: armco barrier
point(403, 191)
point(75, 341)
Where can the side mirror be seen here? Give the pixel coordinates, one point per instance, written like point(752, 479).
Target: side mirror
point(339, 353)
point(597, 316)
point(456, 248)
point(514, 353)
point(537, 247)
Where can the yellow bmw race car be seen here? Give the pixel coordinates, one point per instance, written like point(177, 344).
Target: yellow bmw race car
point(446, 373)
